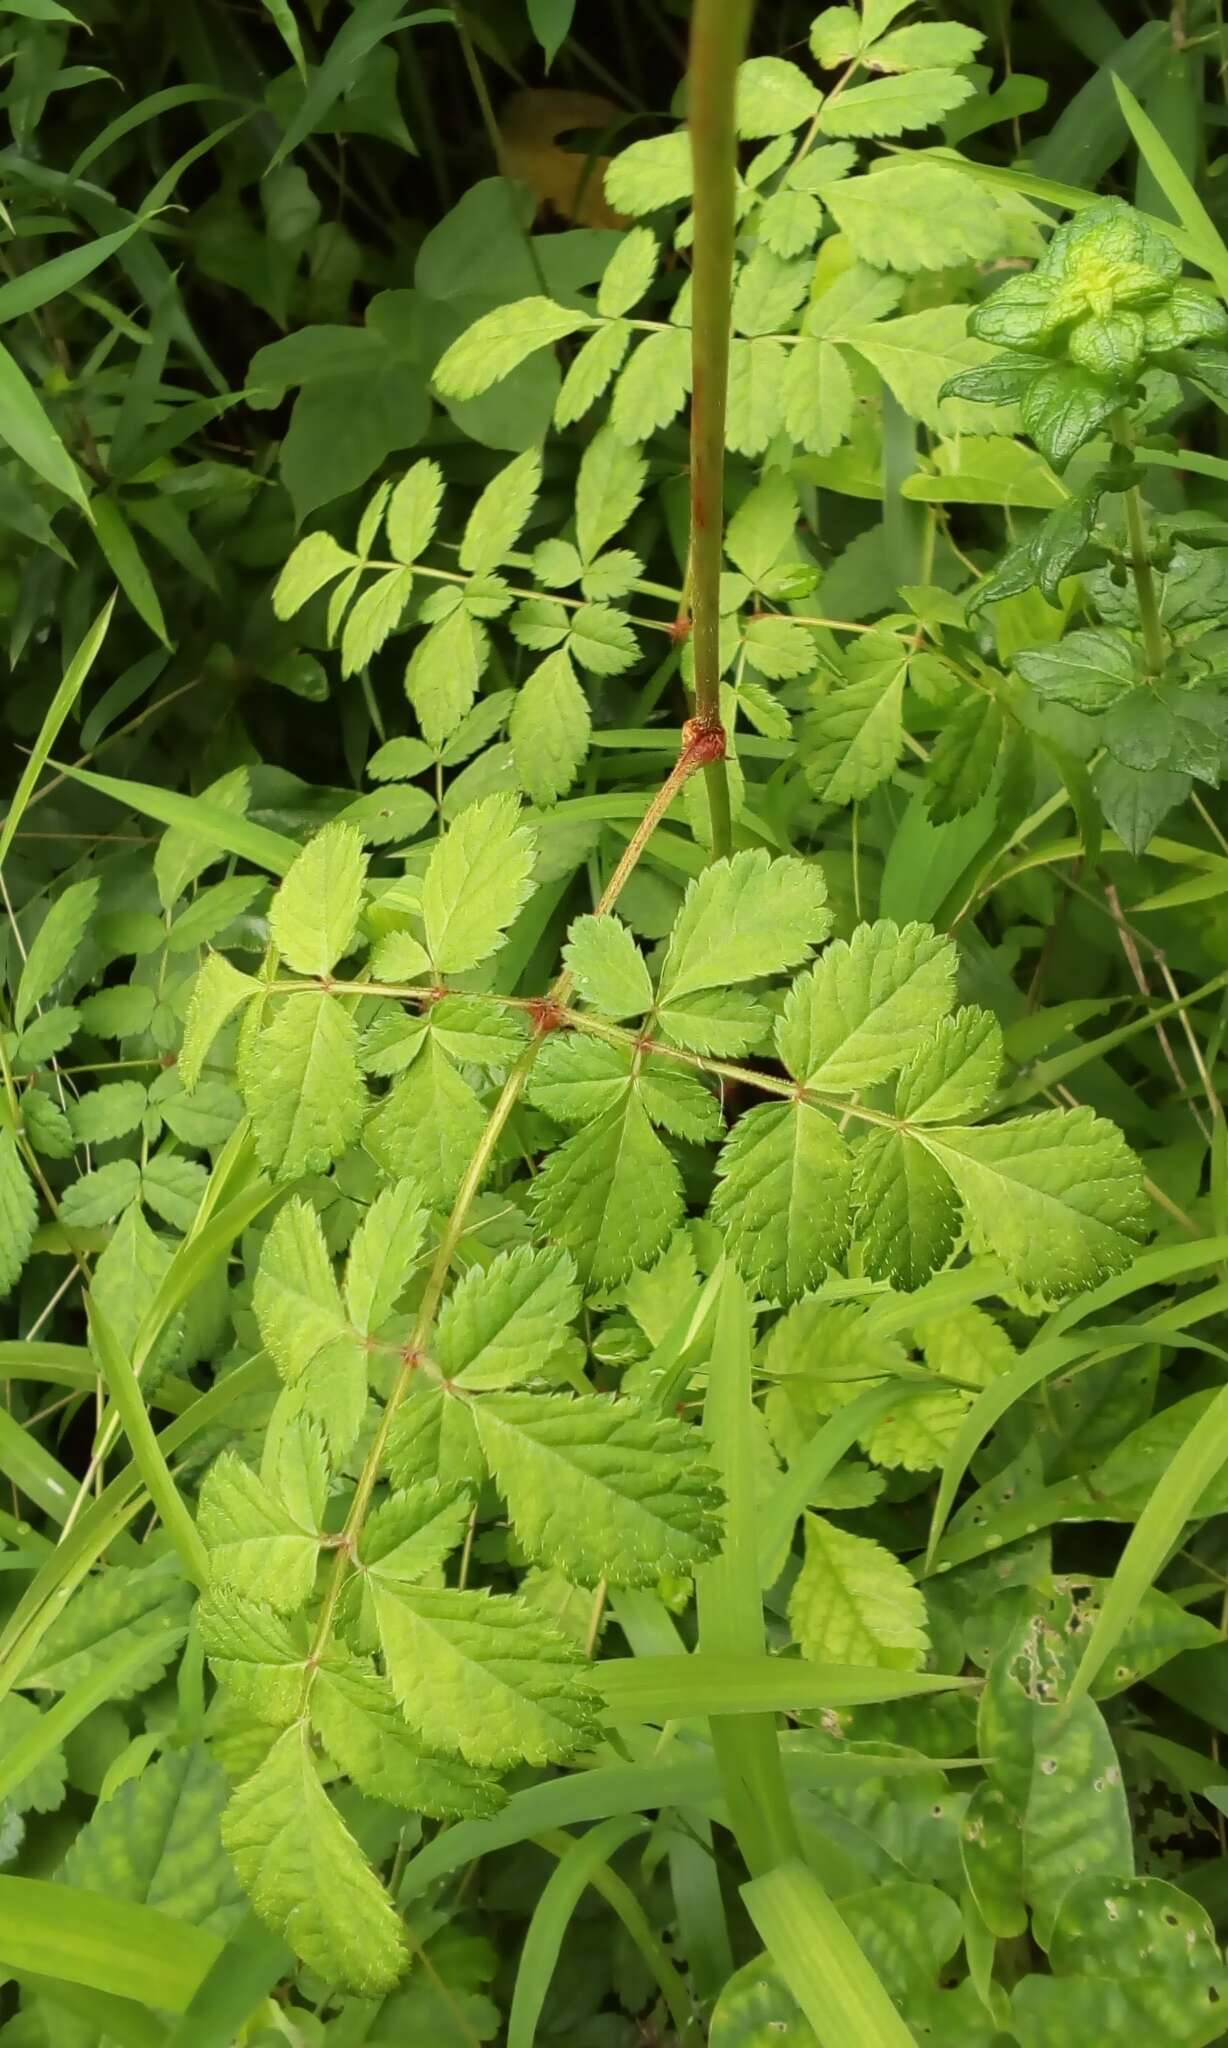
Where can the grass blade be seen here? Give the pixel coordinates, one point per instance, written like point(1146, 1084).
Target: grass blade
point(107, 1944)
point(61, 704)
point(839, 1992)
point(206, 821)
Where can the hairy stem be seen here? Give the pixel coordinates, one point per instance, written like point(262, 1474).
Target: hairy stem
point(719, 29)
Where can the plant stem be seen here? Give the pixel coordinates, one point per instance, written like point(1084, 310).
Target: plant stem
point(1140, 566)
point(719, 29)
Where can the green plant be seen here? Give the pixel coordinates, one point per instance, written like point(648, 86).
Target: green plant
point(615, 1415)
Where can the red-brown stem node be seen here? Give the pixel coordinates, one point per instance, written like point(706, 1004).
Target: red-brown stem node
point(545, 1015)
point(680, 628)
point(703, 740)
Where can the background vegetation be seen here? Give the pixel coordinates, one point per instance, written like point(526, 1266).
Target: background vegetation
point(615, 1407)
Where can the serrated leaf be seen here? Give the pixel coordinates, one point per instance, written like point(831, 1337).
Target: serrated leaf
point(411, 1534)
point(1089, 669)
point(773, 97)
point(890, 106)
point(217, 993)
point(298, 1308)
point(383, 1253)
point(917, 216)
point(18, 1212)
point(99, 1197)
point(263, 1534)
point(756, 394)
point(313, 563)
point(42, 1789)
point(628, 273)
point(745, 917)
point(107, 1112)
point(260, 1655)
point(853, 1602)
point(866, 1006)
point(790, 222)
point(724, 1022)
point(477, 1033)
point(906, 1211)
point(600, 1488)
point(173, 1188)
point(306, 1875)
point(413, 511)
point(602, 639)
point(652, 173)
point(443, 674)
point(501, 339)
point(362, 1728)
point(374, 618)
point(54, 945)
point(596, 362)
point(549, 729)
point(499, 517)
point(651, 390)
point(127, 1277)
point(608, 489)
point(502, 1323)
point(855, 737)
point(484, 1676)
point(608, 968)
point(302, 1086)
point(762, 527)
point(315, 909)
point(818, 396)
point(947, 43)
point(612, 1194)
point(783, 1197)
point(953, 1072)
point(426, 1129)
point(477, 881)
point(1058, 1197)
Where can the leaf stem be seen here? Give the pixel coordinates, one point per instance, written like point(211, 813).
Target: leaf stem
point(1140, 566)
point(719, 30)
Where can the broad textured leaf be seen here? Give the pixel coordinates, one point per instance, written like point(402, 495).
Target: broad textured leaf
point(412, 1533)
point(1089, 670)
point(315, 909)
point(745, 917)
point(773, 97)
point(302, 1086)
point(652, 173)
point(502, 1322)
point(599, 1487)
point(477, 880)
point(918, 215)
point(651, 389)
point(157, 1842)
point(376, 615)
point(261, 1656)
point(783, 1197)
point(1058, 1197)
point(595, 363)
point(628, 273)
point(866, 1006)
point(484, 1676)
point(304, 1326)
point(853, 1602)
point(99, 1197)
point(115, 1610)
point(307, 1876)
point(612, 1194)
